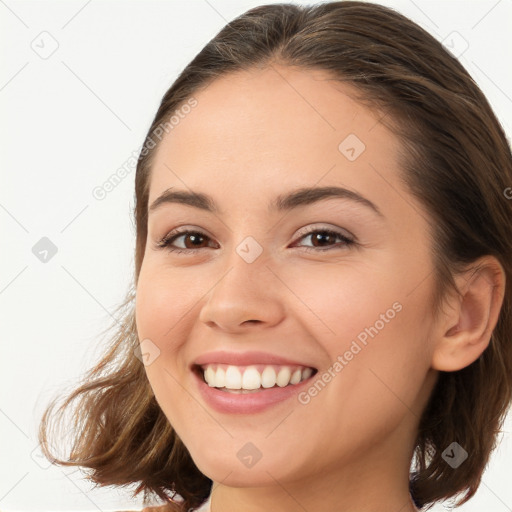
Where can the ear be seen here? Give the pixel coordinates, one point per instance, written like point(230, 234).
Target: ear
point(467, 324)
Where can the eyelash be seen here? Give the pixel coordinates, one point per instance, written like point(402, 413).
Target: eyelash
point(165, 242)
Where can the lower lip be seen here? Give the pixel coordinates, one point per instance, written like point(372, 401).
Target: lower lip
point(226, 402)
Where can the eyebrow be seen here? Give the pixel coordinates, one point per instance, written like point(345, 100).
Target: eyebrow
point(285, 202)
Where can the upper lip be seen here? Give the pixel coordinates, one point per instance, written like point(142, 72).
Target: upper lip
point(246, 359)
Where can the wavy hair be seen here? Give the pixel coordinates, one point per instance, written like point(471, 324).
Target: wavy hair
point(456, 161)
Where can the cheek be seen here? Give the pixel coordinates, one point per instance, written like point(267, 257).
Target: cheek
point(377, 302)
point(338, 301)
point(164, 301)
point(163, 313)
point(373, 391)
point(376, 334)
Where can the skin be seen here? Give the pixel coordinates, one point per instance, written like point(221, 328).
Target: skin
point(255, 135)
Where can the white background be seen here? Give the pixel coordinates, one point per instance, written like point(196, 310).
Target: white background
point(71, 120)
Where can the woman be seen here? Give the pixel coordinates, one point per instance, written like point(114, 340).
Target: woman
point(320, 300)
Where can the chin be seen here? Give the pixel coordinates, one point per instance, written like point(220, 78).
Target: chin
point(231, 471)
point(233, 476)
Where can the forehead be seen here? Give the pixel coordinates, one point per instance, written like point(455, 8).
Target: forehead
point(254, 135)
point(275, 111)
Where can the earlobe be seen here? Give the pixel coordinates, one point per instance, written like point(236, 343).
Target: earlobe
point(465, 330)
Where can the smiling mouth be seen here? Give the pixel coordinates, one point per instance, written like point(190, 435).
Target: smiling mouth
point(266, 378)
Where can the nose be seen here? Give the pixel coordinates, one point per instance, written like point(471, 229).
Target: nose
point(246, 296)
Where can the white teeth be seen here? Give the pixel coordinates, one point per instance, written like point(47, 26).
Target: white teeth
point(233, 378)
point(306, 373)
point(249, 378)
point(283, 377)
point(220, 378)
point(296, 376)
point(268, 377)
point(209, 376)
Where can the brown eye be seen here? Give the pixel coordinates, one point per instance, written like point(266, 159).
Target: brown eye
point(324, 239)
point(195, 239)
point(190, 241)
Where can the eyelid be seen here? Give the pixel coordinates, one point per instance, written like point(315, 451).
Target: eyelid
point(185, 229)
point(327, 227)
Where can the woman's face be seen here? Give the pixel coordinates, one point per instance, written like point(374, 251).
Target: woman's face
point(269, 279)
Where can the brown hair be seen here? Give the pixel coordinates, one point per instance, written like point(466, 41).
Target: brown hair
point(456, 161)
